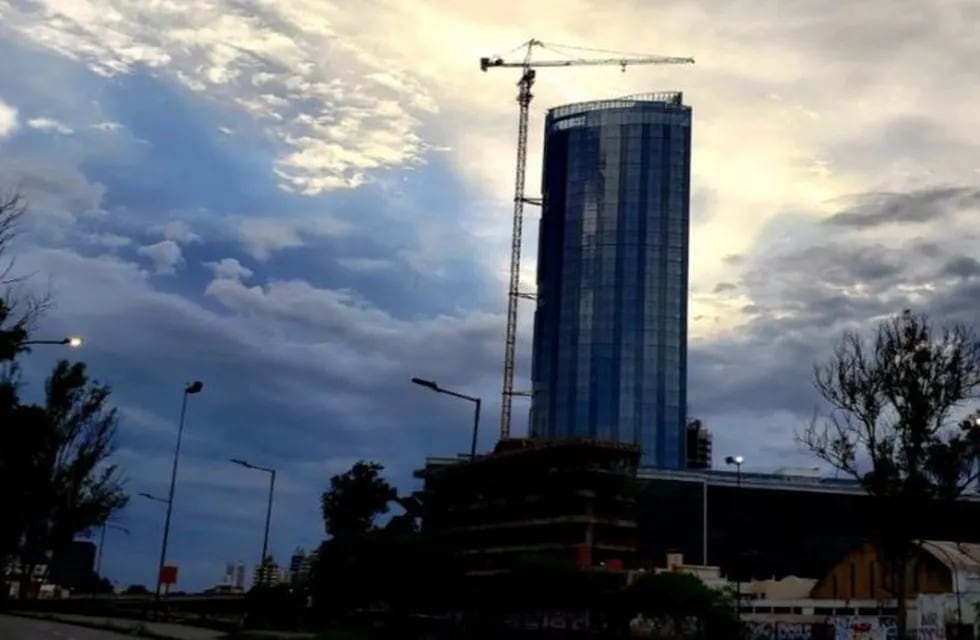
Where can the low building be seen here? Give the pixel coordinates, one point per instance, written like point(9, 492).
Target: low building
point(943, 595)
point(753, 525)
point(301, 565)
point(566, 499)
point(765, 525)
point(267, 574)
point(936, 567)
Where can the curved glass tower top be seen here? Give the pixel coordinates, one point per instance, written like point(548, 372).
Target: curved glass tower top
point(610, 330)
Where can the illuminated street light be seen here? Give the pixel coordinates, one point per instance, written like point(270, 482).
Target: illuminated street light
point(71, 341)
point(737, 461)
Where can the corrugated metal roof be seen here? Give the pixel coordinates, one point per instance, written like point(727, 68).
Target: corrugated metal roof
point(956, 555)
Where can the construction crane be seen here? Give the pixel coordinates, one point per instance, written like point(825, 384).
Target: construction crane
point(527, 66)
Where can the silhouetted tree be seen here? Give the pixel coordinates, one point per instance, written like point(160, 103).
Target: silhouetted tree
point(679, 605)
point(55, 479)
point(892, 426)
point(344, 576)
point(18, 308)
point(355, 498)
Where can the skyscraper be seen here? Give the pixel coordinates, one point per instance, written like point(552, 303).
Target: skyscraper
point(610, 330)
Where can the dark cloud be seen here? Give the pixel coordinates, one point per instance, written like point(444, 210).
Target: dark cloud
point(303, 379)
point(963, 267)
point(824, 281)
point(722, 287)
point(927, 205)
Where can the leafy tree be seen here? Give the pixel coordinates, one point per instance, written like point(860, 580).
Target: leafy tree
point(344, 577)
point(136, 590)
point(355, 498)
point(55, 480)
point(892, 425)
point(680, 605)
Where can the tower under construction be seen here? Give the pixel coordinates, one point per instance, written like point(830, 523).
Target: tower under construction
point(572, 57)
point(610, 330)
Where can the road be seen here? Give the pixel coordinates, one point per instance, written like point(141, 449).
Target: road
point(12, 628)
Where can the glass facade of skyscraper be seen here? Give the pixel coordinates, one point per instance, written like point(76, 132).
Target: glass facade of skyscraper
point(610, 330)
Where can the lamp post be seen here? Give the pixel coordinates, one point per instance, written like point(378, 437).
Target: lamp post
point(98, 559)
point(704, 521)
point(190, 389)
point(268, 512)
point(430, 384)
point(70, 341)
point(737, 461)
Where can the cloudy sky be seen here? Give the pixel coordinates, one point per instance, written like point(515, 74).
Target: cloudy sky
point(304, 203)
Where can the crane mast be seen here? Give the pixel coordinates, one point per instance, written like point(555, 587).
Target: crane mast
point(524, 97)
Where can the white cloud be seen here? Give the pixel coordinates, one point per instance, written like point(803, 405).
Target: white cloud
point(8, 119)
point(339, 112)
point(366, 265)
point(179, 231)
point(109, 240)
point(57, 190)
point(261, 237)
point(229, 269)
point(317, 351)
point(165, 256)
point(348, 92)
point(49, 124)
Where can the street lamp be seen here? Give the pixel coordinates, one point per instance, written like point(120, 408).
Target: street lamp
point(191, 388)
point(98, 559)
point(737, 461)
point(268, 512)
point(72, 341)
point(430, 384)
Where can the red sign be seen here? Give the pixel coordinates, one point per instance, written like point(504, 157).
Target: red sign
point(168, 575)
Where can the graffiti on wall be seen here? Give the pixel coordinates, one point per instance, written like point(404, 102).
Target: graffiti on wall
point(865, 628)
point(764, 630)
point(794, 631)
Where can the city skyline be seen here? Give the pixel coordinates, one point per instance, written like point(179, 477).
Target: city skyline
point(309, 218)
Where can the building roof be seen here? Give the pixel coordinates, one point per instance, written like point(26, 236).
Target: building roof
point(667, 98)
point(955, 555)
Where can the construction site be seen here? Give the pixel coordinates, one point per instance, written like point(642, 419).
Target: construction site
point(562, 500)
point(553, 494)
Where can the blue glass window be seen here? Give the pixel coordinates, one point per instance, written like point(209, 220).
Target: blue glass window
point(610, 331)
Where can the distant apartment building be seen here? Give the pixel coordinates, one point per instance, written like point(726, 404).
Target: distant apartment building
point(697, 445)
point(234, 575)
point(267, 574)
point(301, 565)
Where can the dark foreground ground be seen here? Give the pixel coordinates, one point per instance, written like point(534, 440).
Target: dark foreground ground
point(25, 629)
